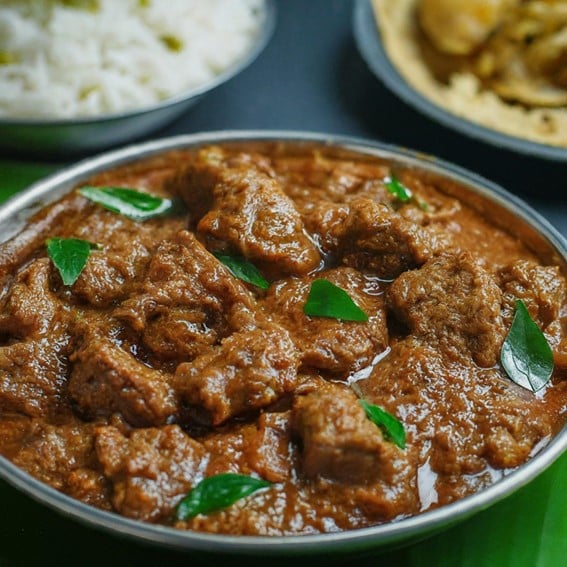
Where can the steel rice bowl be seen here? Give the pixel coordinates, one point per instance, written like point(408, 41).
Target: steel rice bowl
point(74, 136)
point(533, 227)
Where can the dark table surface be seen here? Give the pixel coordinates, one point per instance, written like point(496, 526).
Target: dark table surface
point(309, 78)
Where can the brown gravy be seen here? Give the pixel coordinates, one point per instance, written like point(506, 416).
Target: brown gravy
point(159, 368)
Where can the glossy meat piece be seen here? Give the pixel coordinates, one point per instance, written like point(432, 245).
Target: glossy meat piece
point(187, 302)
point(249, 370)
point(380, 240)
point(339, 442)
point(106, 379)
point(52, 453)
point(493, 423)
point(103, 280)
point(268, 451)
point(453, 302)
point(249, 213)
point(542, 289)
point(30, 307)
point(261, 447)
point(326, 223)
point(514, 435)
point(32, 376)
point(151, 470)
point(125, 248)
point(327, 344)
point(33, 361)
point(14, 429)
point(15, 252)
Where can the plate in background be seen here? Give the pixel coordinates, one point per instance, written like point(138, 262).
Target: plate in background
point(369, 42)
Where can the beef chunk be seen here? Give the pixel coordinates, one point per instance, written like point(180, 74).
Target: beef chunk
point(111, 272)
point(417, 383)
point(182, 334)
point(106, 379)
point(326, 222)
point(14, 428)
point(31, 308)
point(32, 376)
point(379, 239)
point(560, 355)
point(189, 302)
point(89, 486)
point(339, 441)
point(315, 177)
point(542, 288)
point(339, 347)
point(151, 470)
point(268, 451)
point(511, 440)
point(102, 280)
point(248, 212)
point(120, 235)
point(51, 453)
point(261, 447)
point(249, 370)
point(492, 421)
point(429, 206)
point(453, 302)
point(32, 372)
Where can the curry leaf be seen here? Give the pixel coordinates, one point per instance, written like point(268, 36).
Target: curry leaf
point(325, 299)
point(398, 189)
point(526, 355)
point(244, 270)
point(392, 429)
point(69, 255)
point(130, 203)
point(216, 492)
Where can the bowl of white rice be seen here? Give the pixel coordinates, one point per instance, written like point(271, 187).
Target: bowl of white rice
point(77, 76)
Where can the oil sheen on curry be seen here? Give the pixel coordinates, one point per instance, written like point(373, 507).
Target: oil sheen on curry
point(300, 340)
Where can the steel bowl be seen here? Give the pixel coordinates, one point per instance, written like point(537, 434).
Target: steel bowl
point(510, 211)
point(73, 136)
point(371, 47)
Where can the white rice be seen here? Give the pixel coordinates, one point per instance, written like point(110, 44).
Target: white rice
point(69, 58)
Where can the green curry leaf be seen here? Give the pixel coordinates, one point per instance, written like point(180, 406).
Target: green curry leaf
point(128, 202)
point(216, 492)
point(392, 429)
point(69, 255)
point(398, 189)
point(244, 270)
point(526, 355)
point(325, 299)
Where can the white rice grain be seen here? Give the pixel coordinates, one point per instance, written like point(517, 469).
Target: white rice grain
point(60, 59)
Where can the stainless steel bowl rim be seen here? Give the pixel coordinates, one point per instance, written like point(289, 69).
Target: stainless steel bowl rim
point(347, 541)
point(265, 32)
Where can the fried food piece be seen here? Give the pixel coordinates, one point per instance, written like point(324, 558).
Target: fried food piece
point(460, 28)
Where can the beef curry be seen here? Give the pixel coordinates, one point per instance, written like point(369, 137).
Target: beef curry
point(189, 346)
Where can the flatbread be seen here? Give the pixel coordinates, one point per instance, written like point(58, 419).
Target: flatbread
point(463, 95)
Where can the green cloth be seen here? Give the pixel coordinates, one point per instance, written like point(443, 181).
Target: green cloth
point(18, 175)
point(527, 529)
